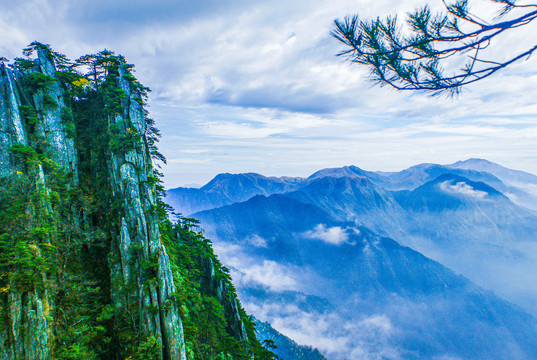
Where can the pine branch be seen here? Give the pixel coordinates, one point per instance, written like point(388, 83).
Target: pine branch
point(414, 62)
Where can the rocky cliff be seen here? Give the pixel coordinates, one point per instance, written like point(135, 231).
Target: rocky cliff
point(85, 263)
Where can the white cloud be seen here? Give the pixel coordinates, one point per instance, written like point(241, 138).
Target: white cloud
point(189, 161)
point(239, 130)
point(334, 334)
point(377, 322)
point(194, 151)
point(253, 79)
point(333, 235)
point(327, 332)
point(462, 188)
point(257, 241)
point(269, 274)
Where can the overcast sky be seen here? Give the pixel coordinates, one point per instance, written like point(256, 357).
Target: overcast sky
point(255, 86)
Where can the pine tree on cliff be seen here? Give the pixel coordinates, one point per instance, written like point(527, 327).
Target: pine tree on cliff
point(91, 267)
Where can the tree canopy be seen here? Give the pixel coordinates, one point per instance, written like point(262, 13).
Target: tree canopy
point(414, 57)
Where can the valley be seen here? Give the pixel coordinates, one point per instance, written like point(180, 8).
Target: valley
point(399, 260)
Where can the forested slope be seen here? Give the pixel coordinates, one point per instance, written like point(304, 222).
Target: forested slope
point(90, 265)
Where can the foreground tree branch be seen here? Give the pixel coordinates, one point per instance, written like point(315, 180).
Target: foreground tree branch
point(411, 57)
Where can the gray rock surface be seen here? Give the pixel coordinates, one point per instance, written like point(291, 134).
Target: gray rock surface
point(27, 333)
point(139, 239)
point(11, 128)
point(51, 127)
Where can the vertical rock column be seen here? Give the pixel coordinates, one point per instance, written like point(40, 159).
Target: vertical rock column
point(29, 321)
point(143, 272)
point(51, 127)
point(27, 334)
point(11, 128)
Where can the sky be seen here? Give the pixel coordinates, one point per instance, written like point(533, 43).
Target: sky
point(256, 86)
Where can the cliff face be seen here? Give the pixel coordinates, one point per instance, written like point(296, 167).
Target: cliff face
point(221, 290)
point(11, 128)
point(28, 312)
point(138, 242)
point(84, 268)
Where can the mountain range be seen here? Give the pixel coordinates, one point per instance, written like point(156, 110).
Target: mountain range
point(225, 189)
point(436, 261)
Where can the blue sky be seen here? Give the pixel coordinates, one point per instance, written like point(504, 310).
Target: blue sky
point(255, 86)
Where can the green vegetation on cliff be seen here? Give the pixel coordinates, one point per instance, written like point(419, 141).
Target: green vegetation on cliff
point(286, 348)
point(91, 266)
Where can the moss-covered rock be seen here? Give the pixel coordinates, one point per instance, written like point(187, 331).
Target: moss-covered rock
point(90, 265)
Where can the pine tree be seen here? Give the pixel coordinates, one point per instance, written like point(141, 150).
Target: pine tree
point(414, 57)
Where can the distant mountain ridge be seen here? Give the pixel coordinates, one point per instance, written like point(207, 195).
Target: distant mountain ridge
point(329, 236)
point(418, 175)
point(225, 189)
point(505, 174)
point(522, 186)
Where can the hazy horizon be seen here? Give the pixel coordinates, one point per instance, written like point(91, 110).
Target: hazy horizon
point(211, 177)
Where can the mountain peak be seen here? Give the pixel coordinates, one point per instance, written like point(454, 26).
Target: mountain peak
point(473, 161)
point(346, 171)
point(227, 188)
point(475, 164)
point(508, 176)
point(339, 181)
